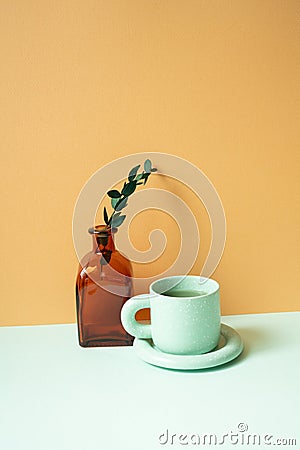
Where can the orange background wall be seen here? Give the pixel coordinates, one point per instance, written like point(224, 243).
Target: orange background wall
point(86, 82)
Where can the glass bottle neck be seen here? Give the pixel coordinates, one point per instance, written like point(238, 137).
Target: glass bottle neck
point(105, 243)
point(102, 239)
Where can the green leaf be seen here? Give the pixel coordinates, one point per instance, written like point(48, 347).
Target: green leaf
point(139, 177)
point(114, 194)
point(146, 177)
point(129, 188)
point(122, 203)
point(115, 215)
point(153, 169)
point(117, 221)
point(133, 172)
point(147, 166)
point(105, 216)
point(114, 201)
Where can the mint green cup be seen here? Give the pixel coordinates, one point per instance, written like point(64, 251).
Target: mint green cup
point(185, 315)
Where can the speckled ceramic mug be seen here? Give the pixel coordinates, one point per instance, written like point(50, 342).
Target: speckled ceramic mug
point(185, 315)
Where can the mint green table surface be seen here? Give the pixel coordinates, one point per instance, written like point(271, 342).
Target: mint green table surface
point(55, 395)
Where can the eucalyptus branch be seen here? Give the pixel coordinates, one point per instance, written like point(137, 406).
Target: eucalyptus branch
point(119, 199)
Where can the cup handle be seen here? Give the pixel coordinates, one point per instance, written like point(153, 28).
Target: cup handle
point(128, 312)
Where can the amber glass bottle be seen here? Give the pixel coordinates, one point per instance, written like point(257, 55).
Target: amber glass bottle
point(102, 287)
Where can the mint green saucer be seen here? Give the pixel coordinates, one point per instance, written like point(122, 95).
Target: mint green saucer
point(229, 347)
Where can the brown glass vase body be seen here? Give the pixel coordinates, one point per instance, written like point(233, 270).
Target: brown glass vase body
point(103, 285)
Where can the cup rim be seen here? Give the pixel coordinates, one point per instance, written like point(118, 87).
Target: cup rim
point(215, 285)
